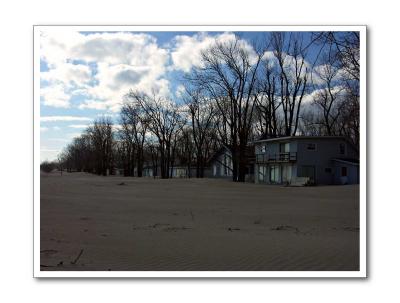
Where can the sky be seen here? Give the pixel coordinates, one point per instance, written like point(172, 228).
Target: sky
point(84, 75)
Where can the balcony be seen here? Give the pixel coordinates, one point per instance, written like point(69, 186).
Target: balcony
point(276, 158)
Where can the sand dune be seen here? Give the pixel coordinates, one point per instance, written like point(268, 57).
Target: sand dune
point(195, 224)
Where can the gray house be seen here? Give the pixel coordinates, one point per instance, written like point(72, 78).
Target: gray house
point(177, 171)
point(306, 160)
point(221, 164)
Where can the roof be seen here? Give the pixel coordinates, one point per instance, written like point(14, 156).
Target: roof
point(218, 152)
point(250, 153)
point(288, 138)
point(350, 161)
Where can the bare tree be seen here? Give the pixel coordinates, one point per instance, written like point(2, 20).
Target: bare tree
point(163, 120)
point(201, 114)
point(153, 152)
point(329, 98)
point(101, 136)
point(347, 45)
point(133, 133)
point(346, 49)
point(267, 102)
point(229, 75)
point(292, 75)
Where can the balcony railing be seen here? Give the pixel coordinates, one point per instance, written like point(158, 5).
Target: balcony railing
point(274, 158)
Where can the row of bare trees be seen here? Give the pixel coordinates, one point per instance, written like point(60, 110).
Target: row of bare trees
point(92, 151)
point(241, 92)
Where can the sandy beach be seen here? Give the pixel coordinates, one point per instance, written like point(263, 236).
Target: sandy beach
point(114, 223)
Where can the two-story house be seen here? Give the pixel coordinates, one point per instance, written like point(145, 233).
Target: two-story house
point(303, 160)
point(220, 165)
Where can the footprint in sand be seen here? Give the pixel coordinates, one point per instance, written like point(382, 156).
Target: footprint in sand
point(175, 229)
point(285, 228)
point(232, 229)
point(49, 251)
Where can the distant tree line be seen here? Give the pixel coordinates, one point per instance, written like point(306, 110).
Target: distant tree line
point(241, 92)
point(48, 166)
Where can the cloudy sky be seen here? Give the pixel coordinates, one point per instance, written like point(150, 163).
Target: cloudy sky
point(84, 75)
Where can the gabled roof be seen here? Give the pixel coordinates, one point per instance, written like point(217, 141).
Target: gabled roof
point(218, 152)
point(350, 161)
point(288, 138)
point(250, 153)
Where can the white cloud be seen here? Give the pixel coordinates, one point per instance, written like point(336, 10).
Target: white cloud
point(48, 154)
point(44, 129)
point(180, 90)
point(324, 71)
point(78, 125)
point(187, 49)
point(55, 96)
point(63, 118)
point(117, 126)
point(337, 91)
point(68, 74)
point(74, 135)
point(102, 67)
point(95, 104)
point(57, 140)
point(48, 150)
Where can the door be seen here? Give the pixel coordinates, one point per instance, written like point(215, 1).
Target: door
point(262, 171)
point(308, 171)
point(286, 173)
point(343, 175)
point(274, 174)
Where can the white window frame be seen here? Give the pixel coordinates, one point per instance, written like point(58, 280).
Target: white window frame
point(315, 146)
point(344, 149)
point(263, 148)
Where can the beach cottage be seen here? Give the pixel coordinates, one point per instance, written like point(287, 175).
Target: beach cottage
point(300, 160)
point(220, 165)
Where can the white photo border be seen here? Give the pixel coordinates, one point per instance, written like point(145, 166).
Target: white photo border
point(361, 273)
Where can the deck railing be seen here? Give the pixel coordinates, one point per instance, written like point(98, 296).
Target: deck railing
point(273, 158)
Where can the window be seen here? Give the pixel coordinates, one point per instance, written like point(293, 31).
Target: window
point(307, 171)
point(344, 171)
point(328, 170)
point(262, 171)
point(311, 146)
point(263, 148)
point(284, 147)
point(342, 148)
point(225, 165)
point(274, 174)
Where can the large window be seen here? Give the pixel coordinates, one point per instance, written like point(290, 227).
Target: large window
point(263, 148)
point(284, 147)
point(307, 171)
point(274, 175)
point(344, 171)
point(286, 173)
point(225, 165)
point(342, 148)
point(262, 173)
point(311, 146)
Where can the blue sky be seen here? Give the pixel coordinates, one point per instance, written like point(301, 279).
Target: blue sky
point(84, 75)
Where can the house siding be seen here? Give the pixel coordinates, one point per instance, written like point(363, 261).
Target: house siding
point(222, 167)
point(317, 164)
